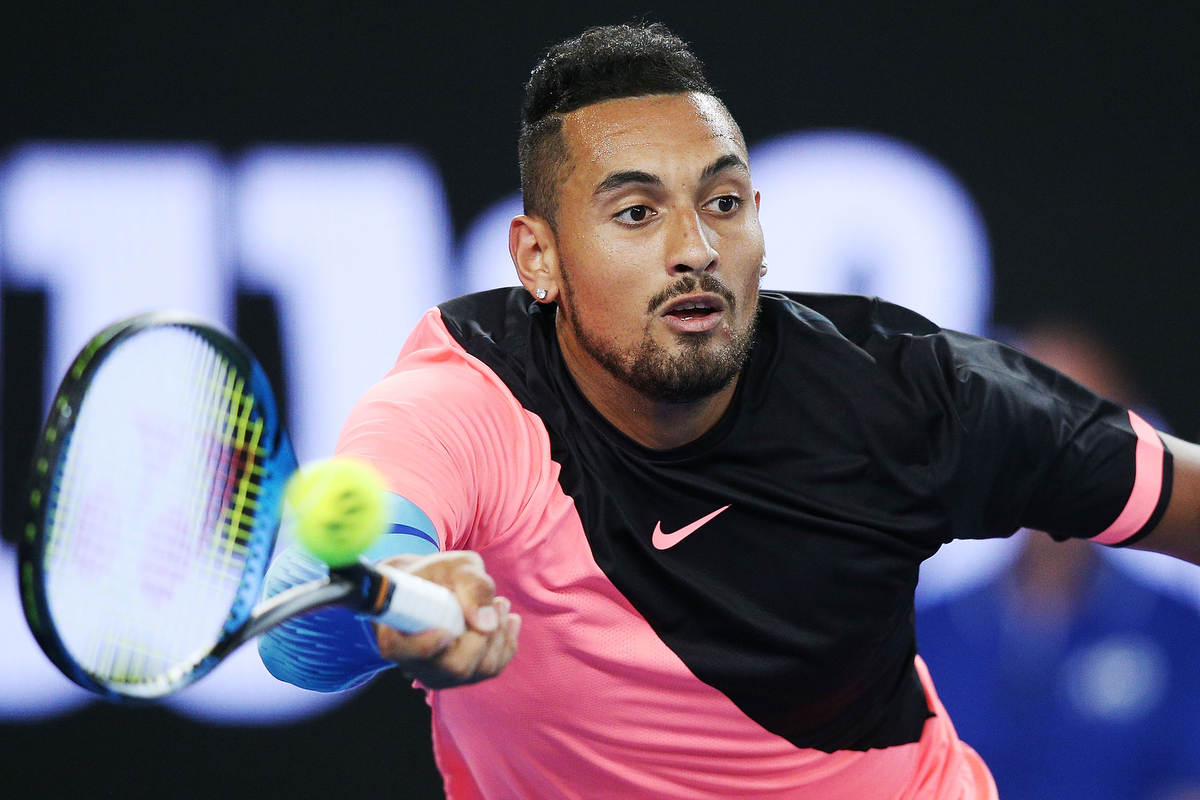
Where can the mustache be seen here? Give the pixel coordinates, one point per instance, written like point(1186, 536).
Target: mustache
point(688, 284)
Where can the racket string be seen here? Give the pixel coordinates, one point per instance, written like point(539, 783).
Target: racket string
point(152, 511)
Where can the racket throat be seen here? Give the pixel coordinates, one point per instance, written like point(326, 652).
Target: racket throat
point(370, 589)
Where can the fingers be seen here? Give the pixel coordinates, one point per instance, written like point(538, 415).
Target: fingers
point(476, 592)
point(464, 656)
point(474, 656)
point(477, 596)
point(482, 651)
point(463, 573)
point(402, 647)
point(501, 649)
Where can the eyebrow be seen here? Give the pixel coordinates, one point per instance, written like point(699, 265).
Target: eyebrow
point(725, 162)
point(619, 180)
point(632, 177)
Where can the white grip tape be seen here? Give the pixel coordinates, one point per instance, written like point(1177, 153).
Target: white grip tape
point(418, 605)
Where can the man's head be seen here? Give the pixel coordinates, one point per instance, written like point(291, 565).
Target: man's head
point(641, 222)
point(604, 63)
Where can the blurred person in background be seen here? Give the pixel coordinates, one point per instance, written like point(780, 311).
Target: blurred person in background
point(1071, 678)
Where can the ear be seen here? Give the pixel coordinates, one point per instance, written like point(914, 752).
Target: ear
point(534, 250)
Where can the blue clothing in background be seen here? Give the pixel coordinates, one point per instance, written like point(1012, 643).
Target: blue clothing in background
point(1106, 707)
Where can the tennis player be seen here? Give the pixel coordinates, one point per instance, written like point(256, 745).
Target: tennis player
point(704, 506)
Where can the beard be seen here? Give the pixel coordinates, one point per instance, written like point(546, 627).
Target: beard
point(698, 371)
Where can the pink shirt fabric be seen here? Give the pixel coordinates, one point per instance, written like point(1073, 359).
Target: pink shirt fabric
point(594, 705)
point(1147, 485)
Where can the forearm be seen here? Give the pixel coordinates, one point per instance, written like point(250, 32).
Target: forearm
point(335, 649)
point(326, 651)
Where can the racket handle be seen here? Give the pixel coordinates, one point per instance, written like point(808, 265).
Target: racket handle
point(417, 605)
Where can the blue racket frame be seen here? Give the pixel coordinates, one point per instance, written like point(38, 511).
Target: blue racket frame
point(279, 462)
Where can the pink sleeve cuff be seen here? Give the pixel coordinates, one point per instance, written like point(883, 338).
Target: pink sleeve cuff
point(1147, 486)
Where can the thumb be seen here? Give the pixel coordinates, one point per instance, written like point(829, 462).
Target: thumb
point(476, 594)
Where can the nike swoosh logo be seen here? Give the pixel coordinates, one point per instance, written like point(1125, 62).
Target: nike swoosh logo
point(662, 541)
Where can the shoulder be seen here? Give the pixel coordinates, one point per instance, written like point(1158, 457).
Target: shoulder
point(437, 384)
point(1130, 593)
point(855, 317)
point(449, 349)
point(886, 330)
point(844, 332)
point(495, 318)
point(882, 331)
point(447, 431)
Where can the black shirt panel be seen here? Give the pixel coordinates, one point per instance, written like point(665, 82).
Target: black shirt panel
point(1014, 443)
point(1029, 447)
point(860, 438)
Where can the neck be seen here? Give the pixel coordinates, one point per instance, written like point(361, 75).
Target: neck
point(659, 426)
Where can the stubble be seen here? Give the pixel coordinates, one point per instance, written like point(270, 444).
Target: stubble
point(697, 371)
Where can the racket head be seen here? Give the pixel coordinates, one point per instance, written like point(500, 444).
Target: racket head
point(154, 501)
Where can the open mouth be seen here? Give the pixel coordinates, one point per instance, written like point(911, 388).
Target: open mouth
point(695, 307)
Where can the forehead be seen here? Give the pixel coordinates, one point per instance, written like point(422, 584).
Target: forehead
point(633, 132)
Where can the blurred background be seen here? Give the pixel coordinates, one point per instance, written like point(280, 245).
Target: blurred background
point(314, 175)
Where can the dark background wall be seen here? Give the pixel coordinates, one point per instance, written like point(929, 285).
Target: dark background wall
point(1074, 127)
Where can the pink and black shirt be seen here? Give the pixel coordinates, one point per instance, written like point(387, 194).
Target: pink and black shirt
point(735, 617)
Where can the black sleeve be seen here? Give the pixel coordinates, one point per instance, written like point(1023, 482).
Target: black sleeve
point(1017, 444)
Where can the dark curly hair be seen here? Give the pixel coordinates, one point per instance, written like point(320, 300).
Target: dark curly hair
point(602, 63)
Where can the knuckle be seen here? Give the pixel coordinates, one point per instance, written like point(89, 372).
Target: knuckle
point(486, 585)
point(399, 647)
point(462, 657)
point(425, 651)
point(478, 588)
point(471, 558)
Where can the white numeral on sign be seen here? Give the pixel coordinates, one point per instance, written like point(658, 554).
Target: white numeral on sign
point(355, 246)
point(113, 230)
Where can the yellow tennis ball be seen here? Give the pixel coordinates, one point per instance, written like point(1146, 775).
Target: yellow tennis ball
point(339, 506)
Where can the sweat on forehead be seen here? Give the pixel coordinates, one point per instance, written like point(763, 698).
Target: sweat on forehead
point(643, 120)
point(621, 133)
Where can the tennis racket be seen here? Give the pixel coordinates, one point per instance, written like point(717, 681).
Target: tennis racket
point(155, 500)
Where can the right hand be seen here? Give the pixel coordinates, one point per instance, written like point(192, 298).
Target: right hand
point(436, 658)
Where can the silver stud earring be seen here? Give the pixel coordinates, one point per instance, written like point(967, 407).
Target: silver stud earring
point(763, 270)
point(540, 294)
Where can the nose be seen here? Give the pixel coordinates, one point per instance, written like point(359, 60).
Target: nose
point(690, 247)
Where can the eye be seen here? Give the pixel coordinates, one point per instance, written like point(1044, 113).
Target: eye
point(634, 215)
point(725, 204)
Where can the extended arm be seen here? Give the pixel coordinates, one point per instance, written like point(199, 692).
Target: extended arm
point(335, 649)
